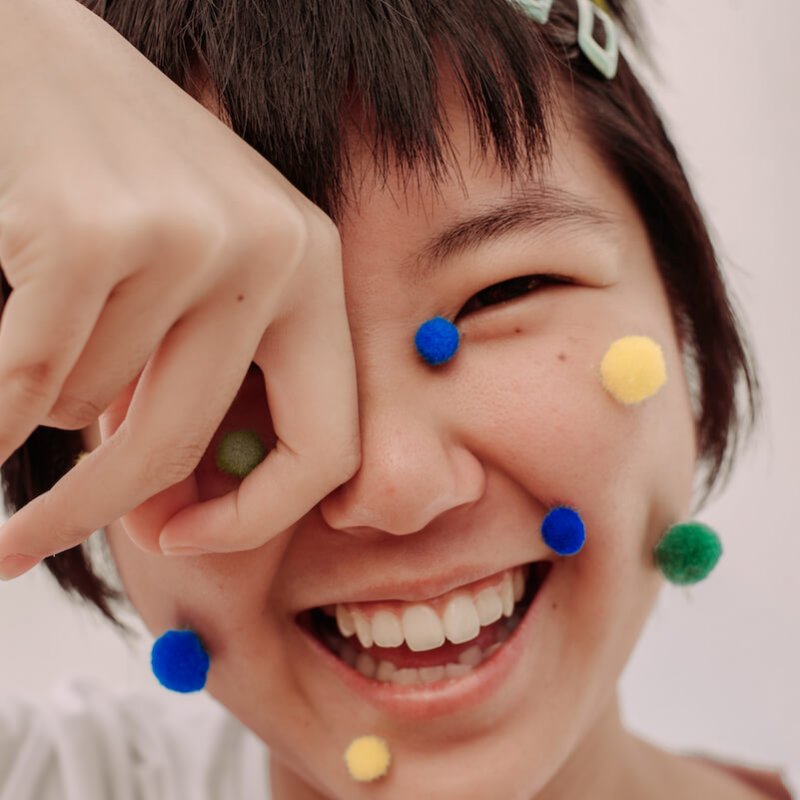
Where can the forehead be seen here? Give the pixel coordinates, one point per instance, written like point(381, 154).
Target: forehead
point(424, 222)
point(476, 198)
point(427, 223)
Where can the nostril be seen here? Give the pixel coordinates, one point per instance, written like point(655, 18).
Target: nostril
point(362, 533)
point(411, 472)
point(382, 515)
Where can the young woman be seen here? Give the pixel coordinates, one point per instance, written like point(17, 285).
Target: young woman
point(347, 586)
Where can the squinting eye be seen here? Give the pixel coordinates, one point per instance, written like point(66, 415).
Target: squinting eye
point(508, 290)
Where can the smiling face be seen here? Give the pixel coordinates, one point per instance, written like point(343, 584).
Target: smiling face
point(461, 463)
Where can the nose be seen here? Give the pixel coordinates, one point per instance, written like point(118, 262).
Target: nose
point(412, 471)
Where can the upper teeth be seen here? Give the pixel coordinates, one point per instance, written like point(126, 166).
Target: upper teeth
point(458, 617)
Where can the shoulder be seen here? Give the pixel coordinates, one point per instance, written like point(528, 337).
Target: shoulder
point(85, 740)
point(734, 781)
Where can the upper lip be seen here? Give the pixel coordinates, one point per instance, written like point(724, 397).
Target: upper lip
point(422, 588)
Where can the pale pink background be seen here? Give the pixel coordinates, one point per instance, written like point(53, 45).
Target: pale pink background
point(718, 667)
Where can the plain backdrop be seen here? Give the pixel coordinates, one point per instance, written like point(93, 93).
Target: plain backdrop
point(718, 665)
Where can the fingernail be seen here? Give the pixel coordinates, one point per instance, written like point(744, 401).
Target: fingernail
point(16, 565)
point(184, 551)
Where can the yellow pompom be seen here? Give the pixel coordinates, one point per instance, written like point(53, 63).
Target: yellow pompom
point(367, 758)
point(633, 369)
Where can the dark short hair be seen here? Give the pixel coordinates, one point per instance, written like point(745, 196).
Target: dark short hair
point(298, 63)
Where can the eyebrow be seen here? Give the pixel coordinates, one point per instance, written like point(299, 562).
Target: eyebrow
point(530, 210)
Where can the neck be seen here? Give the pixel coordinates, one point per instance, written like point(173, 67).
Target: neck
point(608, 764)
point(286, 785)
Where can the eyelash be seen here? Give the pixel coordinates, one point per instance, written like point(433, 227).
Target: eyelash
point(516, 287)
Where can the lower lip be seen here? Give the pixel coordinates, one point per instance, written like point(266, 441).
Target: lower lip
point(428, 701)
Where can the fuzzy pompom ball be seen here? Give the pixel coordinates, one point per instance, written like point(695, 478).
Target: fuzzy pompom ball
point(179, 661)
point(437, 340)
point(367, 758)
point(563, 530)
point(633, 369)
point(688, 552)
point(240, 452)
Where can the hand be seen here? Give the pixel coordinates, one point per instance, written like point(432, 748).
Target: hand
point(148, 274)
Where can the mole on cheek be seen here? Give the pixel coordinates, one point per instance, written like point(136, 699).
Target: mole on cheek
point(562, 356)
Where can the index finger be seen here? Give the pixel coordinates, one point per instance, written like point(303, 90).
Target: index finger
point(311, 386)
point(174, 412)
point(308, 362)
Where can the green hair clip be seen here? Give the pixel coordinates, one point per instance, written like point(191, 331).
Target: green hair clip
point(538, 10)
point(605, 59)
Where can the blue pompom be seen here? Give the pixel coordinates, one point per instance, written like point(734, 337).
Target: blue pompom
point(563, 531)
point(179, 661)
point(437, 340)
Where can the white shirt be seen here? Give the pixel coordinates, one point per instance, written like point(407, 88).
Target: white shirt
point(82, 741)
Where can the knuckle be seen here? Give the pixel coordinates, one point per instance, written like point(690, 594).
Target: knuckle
point(185, 226)
point(347, 461)
point(89, 243)
point(167, 466)
point(66, 536)
point(72, 413)
point(63, 534)
point(101, 224)
point(351, 462)
point(138, 230)
point(32, 383)
point(326, 234)
point(154, 234)
point(284, 237)
point(327, 227)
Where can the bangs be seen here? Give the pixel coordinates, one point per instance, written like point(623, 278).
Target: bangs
point(292, 77)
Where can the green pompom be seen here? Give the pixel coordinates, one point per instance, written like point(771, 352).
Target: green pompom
point(240, 452)
point(688, 552)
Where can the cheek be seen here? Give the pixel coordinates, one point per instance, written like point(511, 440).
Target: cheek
point(205, 593)
point(225, 600)
point(536, 409)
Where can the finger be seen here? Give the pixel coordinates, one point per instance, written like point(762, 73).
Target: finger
point(43, 330)
point(135, 319)
point(144, 523)
point(177, 406)
point(309, 370)
point(116, 411)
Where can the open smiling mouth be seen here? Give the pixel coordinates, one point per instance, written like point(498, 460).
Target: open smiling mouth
point(408, 644)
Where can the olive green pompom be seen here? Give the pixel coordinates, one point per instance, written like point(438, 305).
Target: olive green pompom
point(240, 452)
point(688, 552)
